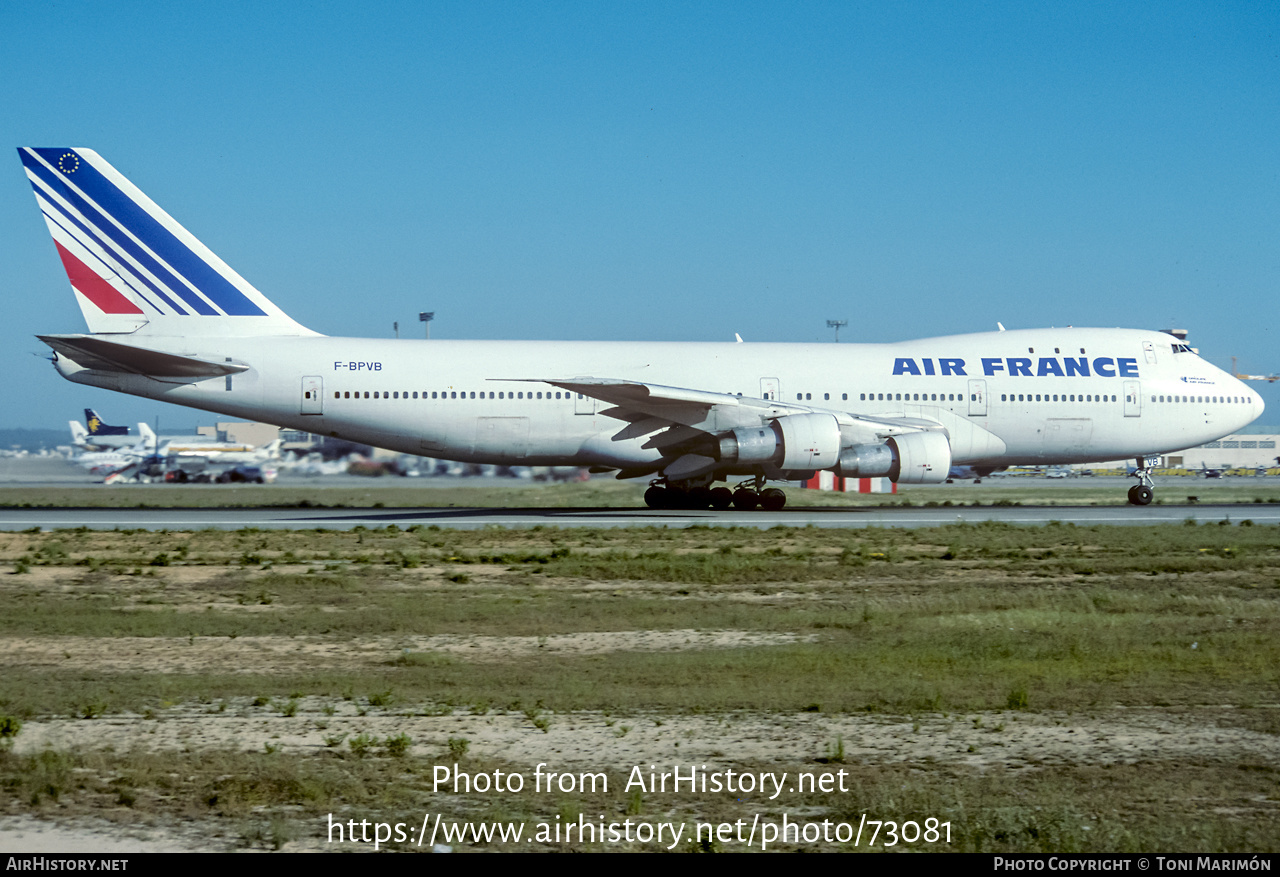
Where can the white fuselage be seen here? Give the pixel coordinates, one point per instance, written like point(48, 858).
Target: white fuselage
point(1005, 398)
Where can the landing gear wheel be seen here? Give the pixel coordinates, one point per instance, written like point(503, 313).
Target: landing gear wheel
point(721, 498)
point(656, 497)
point(1140, 494)
point(698, 498)
point(772, 499)
point(745, 499)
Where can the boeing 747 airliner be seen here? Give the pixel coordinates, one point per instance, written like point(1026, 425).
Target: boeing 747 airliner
point(169, 320)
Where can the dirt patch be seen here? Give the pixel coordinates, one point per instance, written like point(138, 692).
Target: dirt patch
point(283, 654)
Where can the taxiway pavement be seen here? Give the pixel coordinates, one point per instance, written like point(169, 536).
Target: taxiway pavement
point(473, 518)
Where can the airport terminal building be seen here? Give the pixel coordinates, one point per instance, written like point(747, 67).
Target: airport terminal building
point(1254, 450)
point(1254, 447)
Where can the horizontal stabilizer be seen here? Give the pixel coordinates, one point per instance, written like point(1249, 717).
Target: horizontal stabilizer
point(111, 356)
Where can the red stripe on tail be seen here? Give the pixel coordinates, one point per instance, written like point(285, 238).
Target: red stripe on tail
point(87, 282)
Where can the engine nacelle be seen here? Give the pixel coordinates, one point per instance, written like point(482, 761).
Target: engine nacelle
point(809, 441)
point(923, 458)
point(912, 458)
point(800, 441)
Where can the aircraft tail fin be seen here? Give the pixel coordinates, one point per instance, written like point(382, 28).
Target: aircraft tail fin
point(97, 427)
point(79, 435)
point(132, 266)
point(146, 434)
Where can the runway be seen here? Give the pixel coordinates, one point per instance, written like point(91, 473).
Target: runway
point(474, 518)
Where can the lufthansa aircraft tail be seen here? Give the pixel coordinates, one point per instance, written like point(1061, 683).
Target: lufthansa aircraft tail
point(133, 268)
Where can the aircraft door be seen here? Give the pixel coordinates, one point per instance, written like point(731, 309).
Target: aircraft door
point(584, 404)
point(312, 395)
point(503, 437)
point(1067, 435)
point(770, 388)
point(1132, 398)
point(977, 398)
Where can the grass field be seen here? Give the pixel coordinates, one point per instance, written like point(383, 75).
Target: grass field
point(1039, 689)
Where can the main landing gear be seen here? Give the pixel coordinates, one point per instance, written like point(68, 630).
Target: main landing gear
point(746, 498)
point(1144, 491)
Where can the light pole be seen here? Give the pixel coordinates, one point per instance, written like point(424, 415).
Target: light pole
point(425, 317)
point(836, 324)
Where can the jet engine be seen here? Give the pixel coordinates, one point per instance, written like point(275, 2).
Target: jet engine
point(911, 458)
point(797, 442)
point(805, 442)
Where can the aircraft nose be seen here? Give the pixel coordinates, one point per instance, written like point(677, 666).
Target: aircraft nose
point(1253, 407)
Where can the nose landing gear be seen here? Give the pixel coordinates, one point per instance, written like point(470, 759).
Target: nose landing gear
point(1144, 491)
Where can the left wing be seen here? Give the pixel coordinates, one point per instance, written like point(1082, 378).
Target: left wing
point(698, 431)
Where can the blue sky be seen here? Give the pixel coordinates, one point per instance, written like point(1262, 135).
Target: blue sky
point(669, 171)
